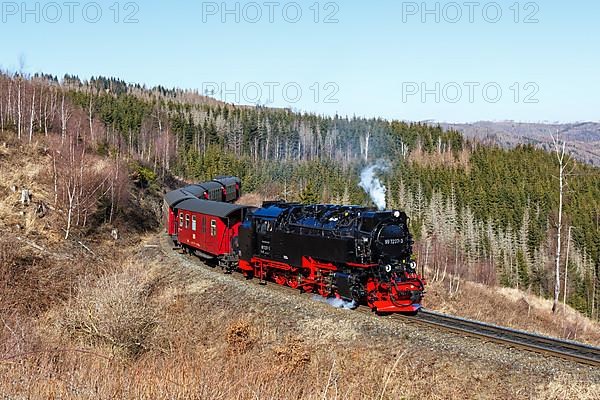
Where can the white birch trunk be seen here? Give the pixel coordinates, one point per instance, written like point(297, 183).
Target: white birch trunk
point(19, 112)
point(31, 117)
point(560, 154)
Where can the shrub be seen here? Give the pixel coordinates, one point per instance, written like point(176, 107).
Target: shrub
point(144, 177)
point(240, 337)
point(115, 310)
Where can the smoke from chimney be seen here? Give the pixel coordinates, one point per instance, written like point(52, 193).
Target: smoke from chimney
point(372, 185)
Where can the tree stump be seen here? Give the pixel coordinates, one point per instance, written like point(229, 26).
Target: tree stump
point(25, 197)
point(41, 210)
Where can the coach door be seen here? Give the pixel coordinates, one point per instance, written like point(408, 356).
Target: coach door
point(211, 233)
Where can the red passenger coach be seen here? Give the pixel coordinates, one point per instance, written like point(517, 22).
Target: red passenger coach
point(208, 228)
point(223, 188)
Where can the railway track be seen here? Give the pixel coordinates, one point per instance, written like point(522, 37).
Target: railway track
point(569, 350)
point(566, 349)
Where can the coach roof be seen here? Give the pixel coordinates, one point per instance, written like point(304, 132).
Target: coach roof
point(207, 207)
point(227, 180)
point(177, 196)
point(198, 189)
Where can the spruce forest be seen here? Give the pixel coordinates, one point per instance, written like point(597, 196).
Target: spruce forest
point(478, 211)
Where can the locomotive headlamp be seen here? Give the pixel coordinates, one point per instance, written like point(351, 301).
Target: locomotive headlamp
point(397, 214)
point(413, 265)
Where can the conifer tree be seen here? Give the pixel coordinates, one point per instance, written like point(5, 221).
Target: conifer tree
point(309, 194)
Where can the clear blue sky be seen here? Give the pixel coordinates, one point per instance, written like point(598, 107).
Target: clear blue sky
point(375, 60)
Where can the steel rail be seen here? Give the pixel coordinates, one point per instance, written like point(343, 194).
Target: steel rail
point(566, 349)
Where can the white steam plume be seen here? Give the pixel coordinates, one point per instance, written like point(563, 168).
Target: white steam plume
point(372, 185)
point(335, 302)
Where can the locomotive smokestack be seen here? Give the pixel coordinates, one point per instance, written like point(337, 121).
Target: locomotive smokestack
point(372, 185)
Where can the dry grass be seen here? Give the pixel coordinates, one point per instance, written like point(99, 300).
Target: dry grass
point(562, 388)
point(113, 310)
point(155, 330)
point(26, 167)
point(241, 337)
point(29, 282)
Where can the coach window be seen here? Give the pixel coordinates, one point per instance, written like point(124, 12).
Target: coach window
point(187, 221)
point(213, 228)
point(194, 223)
point(181, 220)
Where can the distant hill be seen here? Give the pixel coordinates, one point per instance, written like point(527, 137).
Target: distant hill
point(583, 137)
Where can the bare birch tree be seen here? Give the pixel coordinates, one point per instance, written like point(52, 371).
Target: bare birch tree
point(560, 150)
point(19, 106)
point(1, 105)
point(32, 115)
point(65, 115)
point(567, 266)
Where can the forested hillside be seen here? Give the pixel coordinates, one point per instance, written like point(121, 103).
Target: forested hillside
point(478, 212)
point(583, 137)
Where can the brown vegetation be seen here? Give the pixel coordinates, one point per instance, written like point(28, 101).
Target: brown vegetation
point(251, 199)
point(240, 337)
point(198, 344)
point(441, 158)
point(112, 310)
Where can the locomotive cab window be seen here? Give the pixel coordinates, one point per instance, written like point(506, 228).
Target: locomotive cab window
point(263, 227)
point(213, 228)
point(194, 223)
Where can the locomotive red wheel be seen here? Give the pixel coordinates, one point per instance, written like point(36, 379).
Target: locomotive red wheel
point(293, 283)
point(307, 288)
point(324, 292)
point(280, 280)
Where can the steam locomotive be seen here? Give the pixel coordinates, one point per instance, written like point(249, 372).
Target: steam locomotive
point(356, 254)
point(353, 253)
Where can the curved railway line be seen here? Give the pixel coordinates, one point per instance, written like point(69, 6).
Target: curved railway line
point(566, 349)
point(545, 345)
